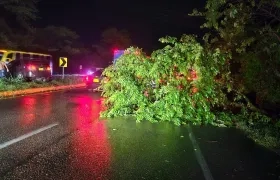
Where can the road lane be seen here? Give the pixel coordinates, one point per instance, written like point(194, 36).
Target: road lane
point(199, 156)
point(230, 155)
point(21, 115)
point(25, 114)
point(25, 136)
point(84, 147)
point(119, 149)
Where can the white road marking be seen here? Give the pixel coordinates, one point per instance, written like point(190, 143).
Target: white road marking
point(205, 169)
point(25, 136)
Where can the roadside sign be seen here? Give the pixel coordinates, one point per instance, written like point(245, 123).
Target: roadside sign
point(63, 62)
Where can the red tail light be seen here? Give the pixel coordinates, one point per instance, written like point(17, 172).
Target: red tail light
point(31, 67)
point(48, 68)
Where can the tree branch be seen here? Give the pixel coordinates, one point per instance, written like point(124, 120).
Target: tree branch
point(269, 14)
point(249, 103)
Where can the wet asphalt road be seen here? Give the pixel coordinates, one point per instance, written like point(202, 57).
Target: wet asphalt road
point(59, 136)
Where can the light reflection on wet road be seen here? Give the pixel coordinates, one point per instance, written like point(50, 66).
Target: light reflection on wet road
point(27, 109)
point(90, 145)
point(83, 147)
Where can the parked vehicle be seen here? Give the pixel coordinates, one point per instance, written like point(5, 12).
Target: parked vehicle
point(93, 80)
point(30, 69)
point(94, 76)
point(10, 55)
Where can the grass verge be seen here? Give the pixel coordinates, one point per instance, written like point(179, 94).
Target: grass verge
point(265, 134)
point(260, 128)
point(12, 84)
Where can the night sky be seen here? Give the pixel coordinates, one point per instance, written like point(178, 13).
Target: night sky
point(146, 21)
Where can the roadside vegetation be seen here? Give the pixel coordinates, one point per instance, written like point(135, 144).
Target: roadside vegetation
point(229, 80)
point(13, 84)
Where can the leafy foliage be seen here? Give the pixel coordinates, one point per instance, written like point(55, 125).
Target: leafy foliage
point(23, 36)
point(249, 30)
point(177, 83)
point(23, 10)
point(20, 13)
point(240, 55)
point(59, 39)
